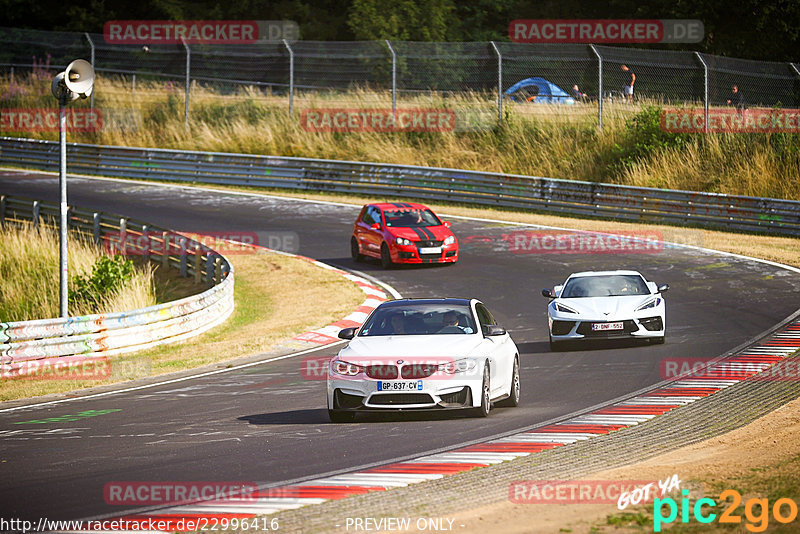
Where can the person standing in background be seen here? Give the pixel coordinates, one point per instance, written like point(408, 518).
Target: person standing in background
point(628, 89)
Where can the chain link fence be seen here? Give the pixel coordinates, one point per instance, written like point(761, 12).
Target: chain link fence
point(476, 75)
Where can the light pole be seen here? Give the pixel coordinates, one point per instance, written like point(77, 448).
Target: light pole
point(75, 82)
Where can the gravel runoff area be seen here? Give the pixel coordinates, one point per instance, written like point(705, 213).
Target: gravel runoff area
point(712, 416)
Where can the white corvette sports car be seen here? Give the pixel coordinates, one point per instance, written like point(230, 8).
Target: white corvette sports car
point(416, 354)
point(606, 305)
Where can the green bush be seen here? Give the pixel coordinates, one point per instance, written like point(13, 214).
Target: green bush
point(108, 274)
point(644, 136)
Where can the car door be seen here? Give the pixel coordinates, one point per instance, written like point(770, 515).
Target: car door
point(498, 348)
point(364, 232)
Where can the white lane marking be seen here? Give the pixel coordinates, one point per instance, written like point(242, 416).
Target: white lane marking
point(614, 418)
point(174, 380)
point(469, 457)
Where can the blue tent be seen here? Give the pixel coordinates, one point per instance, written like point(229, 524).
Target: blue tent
point(549, 93)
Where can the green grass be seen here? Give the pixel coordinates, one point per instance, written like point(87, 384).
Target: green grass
point(539, 140)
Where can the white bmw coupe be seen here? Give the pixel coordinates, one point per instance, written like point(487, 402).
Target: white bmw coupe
point(416, 354)
point(604, 305)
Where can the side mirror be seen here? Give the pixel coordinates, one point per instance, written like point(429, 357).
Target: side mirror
point(376, 226)
point(663, 287)
point(447, 224)
point(493, 330)
point(347, 333)
point(547, 293)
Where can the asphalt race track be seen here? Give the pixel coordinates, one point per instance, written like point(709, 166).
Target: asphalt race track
point(266, 424)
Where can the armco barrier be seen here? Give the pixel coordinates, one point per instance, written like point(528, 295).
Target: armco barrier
point(114, 333)
point(730, 212)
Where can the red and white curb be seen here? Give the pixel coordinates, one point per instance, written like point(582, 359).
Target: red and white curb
point(639, 409)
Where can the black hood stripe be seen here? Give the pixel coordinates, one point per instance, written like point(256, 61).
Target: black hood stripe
point(419, 233)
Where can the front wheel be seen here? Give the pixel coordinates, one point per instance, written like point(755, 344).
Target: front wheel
point(513, 394)
point(486, 400)
point(386, 257)
point(355, 253)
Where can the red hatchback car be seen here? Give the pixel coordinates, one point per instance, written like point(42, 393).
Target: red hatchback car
point(402, 232)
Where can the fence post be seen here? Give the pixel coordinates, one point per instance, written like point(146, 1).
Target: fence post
point(599, 87)
point(2, 211)
point(198, 253)
point(394, 77)
point(36, 214)
point(184, 252)
point(705, 89)
point(291, 76)
point(209, 269)
point(91, 60)
point(133, 84)
point(164, 250)
point(96, 227)
point(123, 237)
point(147, 241)
point(188, 83)
point(499, 82)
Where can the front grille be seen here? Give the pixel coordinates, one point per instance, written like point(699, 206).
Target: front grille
point(382, 372)
point(653, 324)
point(430, 256)
point(399, 399)
point(428, 244)
point(585, 328)
point(461, 397)
point(562, 328)
point(343, 400)
point(418, 370)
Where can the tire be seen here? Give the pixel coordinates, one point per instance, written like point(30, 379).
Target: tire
point(658, 340)
point(486, 402)
point(355, 253)
point(386, 257)
point(338, 416)
point(513, 395)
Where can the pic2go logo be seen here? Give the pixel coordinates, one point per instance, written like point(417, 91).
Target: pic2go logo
point(756, 511)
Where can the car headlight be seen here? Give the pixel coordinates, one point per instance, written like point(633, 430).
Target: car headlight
point(457, 366)
point(649, 304)
point(340, 367)
point(403, 241)
point(449, 240)
point(564, 308)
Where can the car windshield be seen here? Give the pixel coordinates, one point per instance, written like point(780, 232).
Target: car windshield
point(410, 218)
point(616, 285)
point(419, 319)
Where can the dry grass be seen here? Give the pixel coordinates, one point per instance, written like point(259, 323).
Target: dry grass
point(538, 140)
point(29, 287)
point(277, 297)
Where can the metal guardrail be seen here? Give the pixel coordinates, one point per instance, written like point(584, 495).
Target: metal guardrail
point(710, 210)
point(114, 333)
